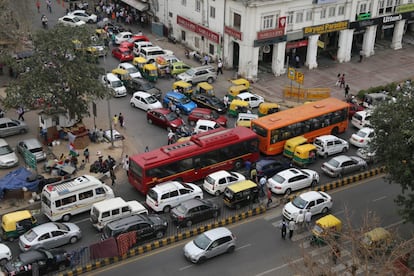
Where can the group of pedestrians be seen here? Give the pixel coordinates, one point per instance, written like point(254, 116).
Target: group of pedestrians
point(118, 119)
point(342, 84)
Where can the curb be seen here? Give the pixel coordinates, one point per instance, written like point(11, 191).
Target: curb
point(163, 242)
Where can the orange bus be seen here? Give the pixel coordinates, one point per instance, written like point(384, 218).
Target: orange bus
point(194, 159)
point(328, 116)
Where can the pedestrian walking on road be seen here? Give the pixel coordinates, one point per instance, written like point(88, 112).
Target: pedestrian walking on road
point(20, 112)
point(115, 120)
point(361, 55)
point(38, 6)
point(86, 155)
point(219, 67)
point(283, 228)
point(338, 79)
point(300, 219)
point(262, 182)
point(269, 197)
point(347, 91)
point(121, 119)
point(226, 100)
point(125, 164)
point(49, 5)
point(291, 227)
point(342, 80)
point(170, 136)
point(113, 176)
point(308, 218)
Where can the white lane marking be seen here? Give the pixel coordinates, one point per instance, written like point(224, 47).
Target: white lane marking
point(242, 247)
point(380, 198)
point(279, 267)
point(185, 267)
point(82, 220)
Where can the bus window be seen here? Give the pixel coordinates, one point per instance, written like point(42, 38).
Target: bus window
point(184, 165)
point(259, 130)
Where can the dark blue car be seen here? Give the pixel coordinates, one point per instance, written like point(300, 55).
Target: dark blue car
point(270, 167)
point(184, 104)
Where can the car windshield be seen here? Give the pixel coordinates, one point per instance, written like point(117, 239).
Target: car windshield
point(209, 180)
point(5, 150)
point(187, 186)
point(117, 83)
point(202, 241)
point(126, 52)
point(171, 116)
point(361, 133)
point(30, 235)
point(299, 202)
point(181, 209)
point(147, 86)
point(132, 70)
point(75, 19)
point(61, 226)
point(184, 100)
point(151, 99)
point(190, 72)
point(278, 179)
point(334, 163)
point(234, 174)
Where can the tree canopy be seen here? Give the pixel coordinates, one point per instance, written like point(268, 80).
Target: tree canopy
point(393, 122)
point(57, 75)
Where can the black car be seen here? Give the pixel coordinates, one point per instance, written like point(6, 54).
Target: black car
point(270, 167)
point(147, 227)
point(45, 261)
point(194, 210)
point(208, 101)
point(135, 85)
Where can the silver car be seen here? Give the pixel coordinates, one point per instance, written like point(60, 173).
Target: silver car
point(198, 74)
point(10, 127)
point(49, 235)
point(343, 164)
point(8, 158)
point(210, 244)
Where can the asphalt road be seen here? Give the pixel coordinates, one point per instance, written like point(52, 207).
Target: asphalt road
point(260, 249)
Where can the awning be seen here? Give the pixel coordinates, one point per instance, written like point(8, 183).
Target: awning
point(137, 5)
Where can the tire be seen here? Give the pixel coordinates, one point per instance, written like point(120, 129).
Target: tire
point(150, 121)
point(325, 211)
point(230, 249)
point(90, 21)
point(133, 105)
point(201, 260)
point(159, 234)
point(210, 80)
point(22, 131)
point(167, 209)
point(325, 155)
point(73, 239)
point(288, 191)
point(238, 164)
point(345, 149)
point(189, 223)
point(217, 193)
point(10, 239)
point(66, 217)
point(314, 182)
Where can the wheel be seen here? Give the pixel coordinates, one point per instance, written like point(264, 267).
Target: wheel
point(201, 260)
point(325, 155)
point(10, 239)
point(217, 193)
point(345, 149)
point(159, 234)
point(230, 249)
point(325, 210)
point(210, 80)
point(133, 105)
point(166, 209)
point(238, 164)
point(3, 261)
point(189, 223)
point(90, 21)
point(22, 131)
point(192, 123)
point(150, 121)
point(73, 239)
point(363, 168)
point(313, 183)
point(215, 214)
point(66, 217)
point(288, 191)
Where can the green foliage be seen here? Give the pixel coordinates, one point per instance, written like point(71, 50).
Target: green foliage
point(57, 75)
point(394, 144)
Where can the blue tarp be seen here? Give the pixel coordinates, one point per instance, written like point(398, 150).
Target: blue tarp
point(17, 179)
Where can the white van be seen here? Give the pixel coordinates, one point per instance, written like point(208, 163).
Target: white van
point(361, 119)
point(150, 53)
point(62, 200)
point(115, 84)
point(139, 45)
point(329, 144)
point(169, 194)
point(107, 210)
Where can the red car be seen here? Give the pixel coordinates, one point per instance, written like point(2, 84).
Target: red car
point(130, 42)
point(165, 118)
point(353, 108)
point(123, 54)
point(207, 114)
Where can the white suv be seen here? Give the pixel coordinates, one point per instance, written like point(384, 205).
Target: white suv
point(198, 74)
point(169, 194)
point(329, 144)
point(316, 202)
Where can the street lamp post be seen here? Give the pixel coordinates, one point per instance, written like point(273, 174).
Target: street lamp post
point(111, 131)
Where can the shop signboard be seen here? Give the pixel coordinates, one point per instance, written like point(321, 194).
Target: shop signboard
point(232, 32)
point(326, 28)
point(210, 35)
point(405, 8)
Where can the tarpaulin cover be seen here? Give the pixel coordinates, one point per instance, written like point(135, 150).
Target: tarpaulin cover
point(17, 179)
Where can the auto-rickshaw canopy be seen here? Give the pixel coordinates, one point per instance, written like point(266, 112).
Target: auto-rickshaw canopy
point(238, 106)
point(376, 238)
point(150, 72)
point(183, 87)
point(325, 228)
point(122, 74)
point(291, 144)
point(268, 108)
point(16, 223)
point(304, 155)
point(241, 81)
point(139, 60)
point(205, 88)
point(236, 90)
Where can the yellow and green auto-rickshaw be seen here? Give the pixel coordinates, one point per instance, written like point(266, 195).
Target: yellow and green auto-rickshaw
point(205, 88)
point(235, 90)
point(267, 108)
point(150, 72)
point(291, 144)
point(376, 241)
point(16, 223)
point(241, 81)
point(122, 74)
point(89, 53)
point(139, 62)
point(238, 106)
point(326, 229)
point(304, 155)
point(183, 87)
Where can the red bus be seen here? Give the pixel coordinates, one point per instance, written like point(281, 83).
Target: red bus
point(194, 159)
point(328, 116)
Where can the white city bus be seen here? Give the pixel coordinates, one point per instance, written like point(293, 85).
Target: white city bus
point(62, 200)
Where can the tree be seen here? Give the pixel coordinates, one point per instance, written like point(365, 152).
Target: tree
point(394, 145)
point(58, 75)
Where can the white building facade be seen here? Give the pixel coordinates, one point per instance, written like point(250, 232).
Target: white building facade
point(247, 34)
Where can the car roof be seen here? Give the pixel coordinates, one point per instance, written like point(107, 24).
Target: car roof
point(216, 233)
point(289, 172)
point(206, 123)
point(193, 203)
point(142, 94)
point(5, 120)
point(126, 64)
point(117, 223)
point(161, 110)
point(219, 174)
point(327, 137)
point(247, 116)
point(245, 95)
point(3, 142)
point(264, 162)
point(175, 95)
point(202, 110)
point(311, 195)
point(367, 129)
point(342, 158)
point(122, 33)
point(45, 227)
point(167, 186)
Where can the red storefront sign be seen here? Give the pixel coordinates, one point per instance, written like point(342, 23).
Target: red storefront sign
point(270, 33)
point(210, 35)
point(232, 32)
point(297, 44)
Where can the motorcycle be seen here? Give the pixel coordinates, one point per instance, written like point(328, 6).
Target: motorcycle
point(183, 131)
point(44, 22)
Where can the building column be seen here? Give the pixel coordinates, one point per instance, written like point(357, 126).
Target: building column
point(369, 41)
point(398, 34)
point(345, 45)
point(312, 52)
point(278, 58)
point(248, 62)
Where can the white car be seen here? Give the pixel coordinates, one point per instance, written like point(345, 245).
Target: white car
point(253, 99)
point(84, 16)
point(122, 36)
point(8, 157)
point(292, 179)
point(5, 253)
point(215, 183)
point(71, 21)
point(361, 119)
point(144, 101)
point(316, 202)
point(205, 125)
point(132, 70)
point(363, 137)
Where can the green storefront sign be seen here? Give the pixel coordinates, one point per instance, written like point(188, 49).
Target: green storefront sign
point(364, 16)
